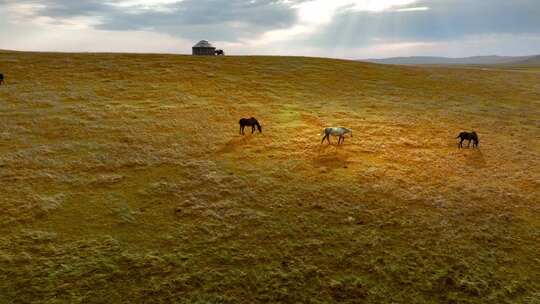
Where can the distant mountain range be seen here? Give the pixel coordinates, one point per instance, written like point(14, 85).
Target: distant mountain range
point(533, 60)
point(483, 60)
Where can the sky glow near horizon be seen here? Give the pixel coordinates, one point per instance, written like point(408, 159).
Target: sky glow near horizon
point(329, 28)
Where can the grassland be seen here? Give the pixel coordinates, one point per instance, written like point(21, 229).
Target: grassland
point(124, 180)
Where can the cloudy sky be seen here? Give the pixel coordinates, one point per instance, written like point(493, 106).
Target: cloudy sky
point(329, 28)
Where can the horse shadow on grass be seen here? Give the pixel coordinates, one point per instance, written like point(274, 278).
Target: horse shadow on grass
point(475, 158)
point(331, 157)
point(236, 144)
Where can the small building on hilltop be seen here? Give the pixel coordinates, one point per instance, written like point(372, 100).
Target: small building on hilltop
point(204, 48)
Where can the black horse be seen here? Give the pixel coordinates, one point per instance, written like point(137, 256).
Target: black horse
point(472, 136)
point(220, 52)
point(250, 122)
point(1, 78)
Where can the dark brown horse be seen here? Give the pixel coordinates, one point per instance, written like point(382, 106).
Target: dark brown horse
point(250, 122)
point(1, 78)
point(470, 136)
point(219, 52)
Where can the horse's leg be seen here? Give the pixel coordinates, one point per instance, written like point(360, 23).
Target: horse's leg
point(252, 129)
point(324, 137)
point(469, 144)
point(461, 143)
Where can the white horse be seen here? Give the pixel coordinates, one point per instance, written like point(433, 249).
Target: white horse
point(335, 131)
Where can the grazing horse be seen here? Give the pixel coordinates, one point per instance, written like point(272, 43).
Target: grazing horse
point(472, 136)
point(339, 131)
point(219, 52)
point(1, 78)
point(250, 122)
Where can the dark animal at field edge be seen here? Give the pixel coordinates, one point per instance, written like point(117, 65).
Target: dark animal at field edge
point(1, 78)
point(250, 122)
point(470, 136)
point(220, 52)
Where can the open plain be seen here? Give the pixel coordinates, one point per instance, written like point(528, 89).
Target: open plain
point(124, 180)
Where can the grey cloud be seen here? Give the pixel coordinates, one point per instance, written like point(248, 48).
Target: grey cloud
point(226, 20)
point(216, 20)
point(445, 20)
point(449, 21)
point(60, 8)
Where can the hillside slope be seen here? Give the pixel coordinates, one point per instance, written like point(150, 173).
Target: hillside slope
point(475, 60)
point(124, 180)
point(531, 61)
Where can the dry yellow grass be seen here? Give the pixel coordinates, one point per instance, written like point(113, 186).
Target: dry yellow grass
point(124, 180)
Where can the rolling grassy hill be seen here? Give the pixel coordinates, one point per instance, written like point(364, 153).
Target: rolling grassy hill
point(532, 61)
point(475, 60)
point(124, 180)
